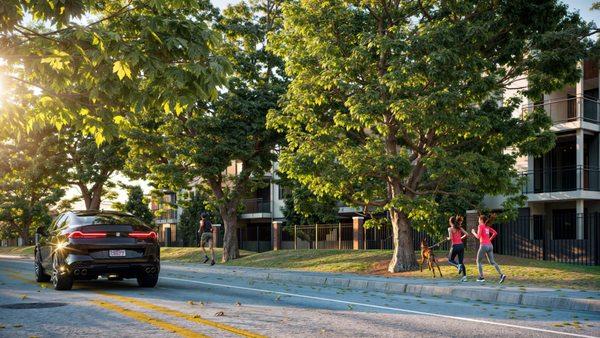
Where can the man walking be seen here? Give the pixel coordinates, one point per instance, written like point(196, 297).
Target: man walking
point(206, 235)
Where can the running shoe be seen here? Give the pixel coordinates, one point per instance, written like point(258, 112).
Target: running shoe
point(205, 259)
point(480, 279)
point(502, 278)
point(463, 279)
point(212, 263)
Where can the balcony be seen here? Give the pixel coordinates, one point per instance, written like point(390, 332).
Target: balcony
point(562, 179)
point(165, 216)
point(256, 208)
point(571, 112)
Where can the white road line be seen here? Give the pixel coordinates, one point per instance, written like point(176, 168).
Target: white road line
point(378, 307)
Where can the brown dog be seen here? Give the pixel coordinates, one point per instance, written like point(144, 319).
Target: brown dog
point(427, 254)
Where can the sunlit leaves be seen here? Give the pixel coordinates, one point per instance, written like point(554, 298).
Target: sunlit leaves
point(122, 69)
point(397, 104)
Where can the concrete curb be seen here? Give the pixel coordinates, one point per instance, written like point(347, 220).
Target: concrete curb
point(461, 292)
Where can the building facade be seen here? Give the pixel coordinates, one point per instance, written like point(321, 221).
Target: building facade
point(563, 186)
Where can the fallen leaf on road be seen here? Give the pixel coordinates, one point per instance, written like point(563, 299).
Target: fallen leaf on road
point(24, 297)
point(278, 297)
point(190, 302)
point(219, 314)
point(196, 316)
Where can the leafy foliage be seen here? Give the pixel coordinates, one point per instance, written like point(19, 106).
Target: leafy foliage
point(395, 105)
point(303, 207)
point(193, 204)
point(137, 204)
point(30, 182)
point(198, 142)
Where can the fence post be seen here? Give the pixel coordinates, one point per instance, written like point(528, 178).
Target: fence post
point(295, 237)
point(340, 236)
point(276, 233)
point(316, 236)
point(257, 241)
point(357, 232)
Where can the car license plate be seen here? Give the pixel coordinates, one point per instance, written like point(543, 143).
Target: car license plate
point(116, 253)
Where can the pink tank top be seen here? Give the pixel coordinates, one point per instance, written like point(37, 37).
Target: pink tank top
point(485, 232)
point(455, 236)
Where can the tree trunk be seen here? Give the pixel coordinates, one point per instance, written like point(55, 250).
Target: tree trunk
point(92, 197)
point(404, 255)
point(95, 201)
point(230, 238)
point(24, 234)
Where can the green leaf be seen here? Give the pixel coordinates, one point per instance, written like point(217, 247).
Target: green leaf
point(122, 69)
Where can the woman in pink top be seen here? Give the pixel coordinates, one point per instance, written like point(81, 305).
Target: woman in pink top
point(485, 233)
point(456, 234)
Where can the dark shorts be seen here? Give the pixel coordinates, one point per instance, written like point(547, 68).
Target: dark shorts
point(205, 238)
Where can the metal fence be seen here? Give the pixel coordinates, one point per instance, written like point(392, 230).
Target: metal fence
point(561, 237)
point(255, 237)
point(318, 236)
point(341, 236)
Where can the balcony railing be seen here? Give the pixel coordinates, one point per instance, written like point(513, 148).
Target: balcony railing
point(165, 215)
point(256, 205)
point(570, 178)
point(568, 109)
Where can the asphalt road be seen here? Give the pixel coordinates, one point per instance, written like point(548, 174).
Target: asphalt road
point(206, 303)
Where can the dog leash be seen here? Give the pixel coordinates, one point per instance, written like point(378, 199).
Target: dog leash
point(437, 244)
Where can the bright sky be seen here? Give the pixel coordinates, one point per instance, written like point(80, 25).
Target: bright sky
point(583, 6)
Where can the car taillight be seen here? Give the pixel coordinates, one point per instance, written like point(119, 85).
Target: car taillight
point(143, 235)
point(79, 234)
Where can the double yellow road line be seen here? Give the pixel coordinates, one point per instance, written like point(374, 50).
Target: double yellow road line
point(145, 318)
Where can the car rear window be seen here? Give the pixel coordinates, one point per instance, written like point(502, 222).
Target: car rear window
point(108, 219)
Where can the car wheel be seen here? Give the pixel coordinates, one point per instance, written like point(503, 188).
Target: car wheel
point(61, 280)
point(147, 280)
point(40, 275)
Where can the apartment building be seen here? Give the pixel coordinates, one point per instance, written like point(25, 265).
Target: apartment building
point(563, 186)
point(166, 216)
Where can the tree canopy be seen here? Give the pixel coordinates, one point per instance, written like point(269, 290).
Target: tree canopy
point(220, 144)
point(400, 105)
point(30, 181)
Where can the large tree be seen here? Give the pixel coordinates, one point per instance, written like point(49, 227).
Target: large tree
point(136, 204)
point(398, 105)
point(91, 166)
point(30, 181)
point(196, 145)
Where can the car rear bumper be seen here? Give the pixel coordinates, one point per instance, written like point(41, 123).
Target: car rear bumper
point(85, 266)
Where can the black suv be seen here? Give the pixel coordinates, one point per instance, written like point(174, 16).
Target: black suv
point(83, 245)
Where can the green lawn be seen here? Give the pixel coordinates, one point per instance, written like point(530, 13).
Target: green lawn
point(521, 272)
point(16, 250)
point(192, 255)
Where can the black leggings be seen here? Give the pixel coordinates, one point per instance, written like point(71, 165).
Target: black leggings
point(458, 250)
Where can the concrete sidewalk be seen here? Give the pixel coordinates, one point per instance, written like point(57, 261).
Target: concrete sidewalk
point(488, 292)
